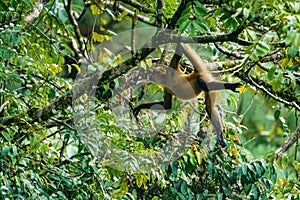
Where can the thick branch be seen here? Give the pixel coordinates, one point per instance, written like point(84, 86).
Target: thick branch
point(233, 37)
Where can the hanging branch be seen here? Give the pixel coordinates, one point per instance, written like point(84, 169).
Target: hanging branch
point(159, 16)
point(133, 27)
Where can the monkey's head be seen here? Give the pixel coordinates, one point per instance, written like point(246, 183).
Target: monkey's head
point(165, 75)
point(158, 75)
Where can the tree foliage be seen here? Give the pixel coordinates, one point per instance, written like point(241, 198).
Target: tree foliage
point(45, 155)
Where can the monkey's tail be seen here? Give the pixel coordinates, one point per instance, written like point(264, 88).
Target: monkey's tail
point(197, 62)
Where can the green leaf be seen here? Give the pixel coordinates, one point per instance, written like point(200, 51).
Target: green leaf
point(271, 72)
point(6, 136)
point(51, 93)
point(285, 172)
point(231, 24)
point(246, 12)
point(260, 52)
point(200, 26)
point(251, 34)
point(173, 190)
point(186, 12)
point(251, 168)
point(219, 196)
point(5, 151)
point(254, 191)
point(247, 189)
point(219, 12)
point(273, 177)
point(199, 9)
point(184, 26)
point(174, 169)
point(277, 114)
point(278, 81)
point(226, 190)
point(181, 196)
point(258, 169)
point(198, 157)
point(14, 150)
point(211, 169)
point(293, 51)
point(192, 158)
point(267, 184)
point(244, 169)
point(212, 142)
point(28, 3)
point(183, 187)
point(185, 158)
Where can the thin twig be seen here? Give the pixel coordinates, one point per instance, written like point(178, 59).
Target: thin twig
point(227, 52)
point(293, 103)
point(130, 12)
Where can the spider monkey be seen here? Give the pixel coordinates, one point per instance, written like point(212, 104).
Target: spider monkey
point(189, 86)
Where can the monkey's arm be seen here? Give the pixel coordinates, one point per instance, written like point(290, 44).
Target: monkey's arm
point(161, 105)
point(167, 102)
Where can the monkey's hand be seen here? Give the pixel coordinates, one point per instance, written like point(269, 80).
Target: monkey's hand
point(154, 105)
point(221, 140)
point(236, 86)
point(136, 111)
point(233, 86)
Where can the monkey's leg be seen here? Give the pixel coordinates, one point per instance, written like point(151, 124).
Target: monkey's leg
point(214, 116)
point(215, 85)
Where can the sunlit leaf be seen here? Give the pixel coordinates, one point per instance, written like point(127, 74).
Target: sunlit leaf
point(241, 89)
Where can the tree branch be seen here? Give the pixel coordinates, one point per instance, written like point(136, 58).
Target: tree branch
point(43, 114)
point(137, 5)
point(262, 86)
point(130, 13)
point(227, 52)
point(78, 35)
point(289, 142)
point(230, 37)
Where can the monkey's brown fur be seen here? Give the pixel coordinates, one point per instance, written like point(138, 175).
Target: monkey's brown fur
point(187, 87)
